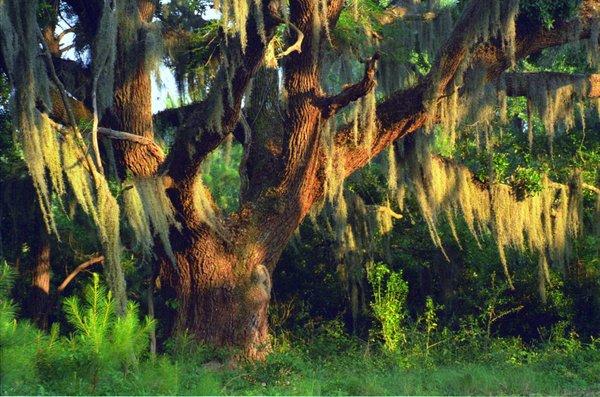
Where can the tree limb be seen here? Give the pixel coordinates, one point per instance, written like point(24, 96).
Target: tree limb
point(518, 84)
point(406, 111)
point(591, 188)
point(331, 105)
point(125, 136)
point(67, 105)
point(152, 148)
point(197, 138)
point(297, 46)
point(334, 9)
point(64, 32)
point(78, 269)
point(59, 85)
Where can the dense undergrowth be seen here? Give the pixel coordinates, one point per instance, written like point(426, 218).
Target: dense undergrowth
point(103, 354)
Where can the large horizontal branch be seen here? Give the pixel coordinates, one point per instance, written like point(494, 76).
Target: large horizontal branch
point(485, 185)
point(520, 84)
point(331, 105)
point(406, 111)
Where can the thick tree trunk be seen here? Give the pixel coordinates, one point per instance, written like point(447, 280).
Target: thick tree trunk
point(220, 300)
point(226, 310)
point(221, 281)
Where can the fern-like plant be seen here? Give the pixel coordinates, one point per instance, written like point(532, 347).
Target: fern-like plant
point(18, 343)
point(102, 344)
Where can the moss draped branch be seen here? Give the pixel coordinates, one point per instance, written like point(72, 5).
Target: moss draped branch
point(331, 105)
point(517, 84)
point(406, 111)
point(196, 138)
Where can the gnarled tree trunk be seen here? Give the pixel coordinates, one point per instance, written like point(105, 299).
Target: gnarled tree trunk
point(221, 276)
point(222, 295)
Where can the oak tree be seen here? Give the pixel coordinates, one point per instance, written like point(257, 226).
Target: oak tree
point(313, 90)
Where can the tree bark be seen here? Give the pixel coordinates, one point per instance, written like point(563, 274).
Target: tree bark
point(40, 283)
point(222, 290)
point(221, 280)
point(132, 107)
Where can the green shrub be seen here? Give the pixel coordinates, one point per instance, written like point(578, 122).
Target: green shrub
point(389, 303)
point(102, 346)
point(18, 341)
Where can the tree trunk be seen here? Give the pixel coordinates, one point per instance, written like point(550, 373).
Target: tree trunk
point(40, 299)
point(221, 282)
point(222, 296)
point(132, 107)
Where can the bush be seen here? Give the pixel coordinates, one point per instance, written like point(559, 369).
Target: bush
point(102, 345)
point(389, 303)
point(18, 341)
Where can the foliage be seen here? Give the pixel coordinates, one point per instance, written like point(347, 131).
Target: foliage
point(546, 13)
point(389, 303)
point(101, 348)
point(18, 340)
point(321, 361)
point(221, 175)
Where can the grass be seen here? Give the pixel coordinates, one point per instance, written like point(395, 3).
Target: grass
point(328, 367)
point(352, 370)
point(106, 355)
point(355, 371)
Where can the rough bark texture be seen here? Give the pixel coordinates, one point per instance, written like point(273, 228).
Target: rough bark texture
point(132, 107)
point(40, 281)
point(222, 277)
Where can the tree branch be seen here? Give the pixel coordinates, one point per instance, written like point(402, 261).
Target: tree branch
point(67, 105)
point(78, 269)
point(331, 105)
point(59, 85)
point(406, 111)
point(518, 84)
point(334, 9)
point(197, 138)
point(125, 136)
point(152, 148)
point(297, 46)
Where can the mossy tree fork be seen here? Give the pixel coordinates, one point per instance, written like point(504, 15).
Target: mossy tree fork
point(222, 279)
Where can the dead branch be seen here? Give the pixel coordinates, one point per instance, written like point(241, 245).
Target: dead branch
point(297, 46)
point(78, 269)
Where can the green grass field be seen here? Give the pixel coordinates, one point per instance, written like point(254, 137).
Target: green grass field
point(321, 366)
